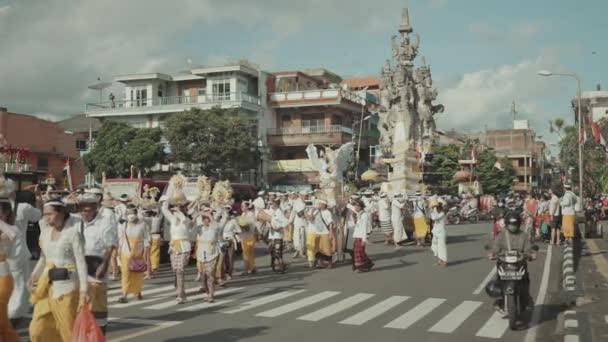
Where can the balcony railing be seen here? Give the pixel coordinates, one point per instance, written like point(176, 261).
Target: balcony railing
point(292, 165)
point(310, 130)
point(179, 101)
point(316, 94)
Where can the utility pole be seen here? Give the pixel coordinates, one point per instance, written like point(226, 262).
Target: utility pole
point(513, 112)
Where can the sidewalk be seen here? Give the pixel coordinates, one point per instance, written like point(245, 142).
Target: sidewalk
point(588, 320)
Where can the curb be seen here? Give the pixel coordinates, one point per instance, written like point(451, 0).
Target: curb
point(571, 327)
point(568, 271)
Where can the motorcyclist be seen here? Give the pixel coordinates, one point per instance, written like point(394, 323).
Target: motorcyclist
point(513, 238)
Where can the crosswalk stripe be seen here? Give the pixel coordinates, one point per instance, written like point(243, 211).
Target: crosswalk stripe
point(203, 306)
point(281, 310)
point(145, 292)
point(263, 301)
point(335, 308)
point(414, 315)
point(375, 310)
point(172, 302)
point(456, 317)
point(495, 327)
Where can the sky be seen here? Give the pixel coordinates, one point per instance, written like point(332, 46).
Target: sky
point(483, 54)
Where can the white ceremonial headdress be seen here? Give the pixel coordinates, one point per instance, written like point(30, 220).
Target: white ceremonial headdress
point(87, 198)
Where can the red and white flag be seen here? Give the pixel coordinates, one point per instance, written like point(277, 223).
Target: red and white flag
point(597, 136)
point(498, 165)
point(68, 174)
point(583, 136)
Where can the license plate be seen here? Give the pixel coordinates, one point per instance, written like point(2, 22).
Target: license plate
point(511, 259)
point(511, 275)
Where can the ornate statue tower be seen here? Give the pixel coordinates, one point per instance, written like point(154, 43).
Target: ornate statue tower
point(406, 124)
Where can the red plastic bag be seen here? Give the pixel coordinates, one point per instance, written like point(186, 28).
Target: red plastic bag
point(86, 328)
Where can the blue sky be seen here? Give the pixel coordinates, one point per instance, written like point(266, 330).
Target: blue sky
point(484, 54)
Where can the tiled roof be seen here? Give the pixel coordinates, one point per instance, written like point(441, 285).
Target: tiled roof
point(362, 82)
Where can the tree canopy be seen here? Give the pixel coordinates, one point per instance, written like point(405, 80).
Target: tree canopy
point(493, 180)
point(216, 139)
point(118, 146)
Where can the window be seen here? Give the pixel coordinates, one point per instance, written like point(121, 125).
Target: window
point(253, 127)
point(81, 145)
point(202, 91)
point(521, 179)
point(312, 123)
point(141, 97)
point(221, 89)
point(285, 120)
point(160, 90)
point(42, 164)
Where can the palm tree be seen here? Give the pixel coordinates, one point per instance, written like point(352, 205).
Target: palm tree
point(556, 126)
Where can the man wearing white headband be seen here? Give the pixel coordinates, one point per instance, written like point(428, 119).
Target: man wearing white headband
point(100, 239)
point(297, 219)
point(318, 242)
point(19, 264)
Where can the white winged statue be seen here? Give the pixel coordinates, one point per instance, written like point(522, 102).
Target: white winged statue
point(331, 166)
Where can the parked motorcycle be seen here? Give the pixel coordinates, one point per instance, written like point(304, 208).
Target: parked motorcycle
point(455, 217)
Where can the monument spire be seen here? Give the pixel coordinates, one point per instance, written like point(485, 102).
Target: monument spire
point(405, 21)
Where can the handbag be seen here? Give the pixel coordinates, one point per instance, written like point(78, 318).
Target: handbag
point(93, 263)
point(136, 265)
point(58, 274)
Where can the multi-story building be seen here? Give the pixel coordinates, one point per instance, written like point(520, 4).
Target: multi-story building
point(84, 130)
point(593, 103)
point(311, 107)
point(46, 148)
point(527, 155)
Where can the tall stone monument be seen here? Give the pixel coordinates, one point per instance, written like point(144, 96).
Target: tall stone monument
point(407, 124)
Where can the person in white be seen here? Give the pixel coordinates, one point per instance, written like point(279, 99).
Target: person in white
point(438, 245)
point(134, 243)
point(321, 247)
point(555, 212)
point(350, 221)
point(384, 216)
point(180, 245)
point(569, 205)
point(8, 233)
point(361, 262)
point(231, 237)
point(208, 252)
point(298, 220)
point(100, 240)
point(277, 226)
point(397, 205)
point(19, 262)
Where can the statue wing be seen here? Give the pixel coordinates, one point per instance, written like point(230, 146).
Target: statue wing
point(344, 156)
point(313, 156)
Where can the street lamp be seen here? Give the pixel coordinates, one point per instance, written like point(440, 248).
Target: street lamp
point(580, 124)
point(363, 91)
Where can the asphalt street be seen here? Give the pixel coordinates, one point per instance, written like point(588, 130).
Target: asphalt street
point(405, 296)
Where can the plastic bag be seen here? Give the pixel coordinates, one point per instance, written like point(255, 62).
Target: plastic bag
point(86, 328)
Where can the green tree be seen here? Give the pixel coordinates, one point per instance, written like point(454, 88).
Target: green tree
point(493, 180)
point(118, 146)
point(595, 173)
point(442, 168)
point(216, 138)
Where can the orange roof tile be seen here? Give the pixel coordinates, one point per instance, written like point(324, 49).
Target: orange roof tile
point(362, 82)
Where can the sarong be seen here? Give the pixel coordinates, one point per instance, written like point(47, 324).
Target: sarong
point(98, 295)
point(568, 222)
point(53, 318)
point(439, 247)
point(421, 226)
point(7, 331)
point(179, 261)
point(361, 260)
point(209, 269)
point(318, 246)
point(132, 282)
point(386, 227)
point(155, 254)
point(276, 250)
point(248, 246)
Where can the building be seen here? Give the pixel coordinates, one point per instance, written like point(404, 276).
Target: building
point(48, 147)
point(311, 107)
point(84, 129)
point(594, 103)
point(527, 155)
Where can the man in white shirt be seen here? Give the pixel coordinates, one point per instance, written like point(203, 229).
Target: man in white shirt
point(230, 235)
point(556, 220)
point(297, 219)
point(384, 216)
point(324, 225)
point(568, 203)
point(275, 236)
point(20, 265)
point(100, 241)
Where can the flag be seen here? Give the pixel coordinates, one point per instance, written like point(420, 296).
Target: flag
point(132, 171)
point(597, 136)
point(583, 136)
point(474, 155)
point(68, 175)
point(498, 165)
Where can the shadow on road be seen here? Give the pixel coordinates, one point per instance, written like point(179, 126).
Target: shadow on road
point(224, 335)
point(464, 261)
point(463, 238)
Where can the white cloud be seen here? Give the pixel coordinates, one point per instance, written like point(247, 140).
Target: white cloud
point(484, 97)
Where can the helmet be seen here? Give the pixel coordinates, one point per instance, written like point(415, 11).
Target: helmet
point(512, 221)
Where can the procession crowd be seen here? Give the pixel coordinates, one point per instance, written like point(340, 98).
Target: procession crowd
point(88, 238)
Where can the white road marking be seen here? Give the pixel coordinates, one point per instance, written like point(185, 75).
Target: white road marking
point(281, 310)
point(145, 292)
point(375, 310)
point(484, 282)
point(540, 298)
point(173, 303)
point(203, 306)
point(495, 327)
point(336, 307)
point(414, 315)
point(170, 294)
point(263, 301)
point(157, 326)
point(456, 317)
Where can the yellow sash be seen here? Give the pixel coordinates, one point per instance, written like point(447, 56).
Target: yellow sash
point(176, 245)
point(44, 283)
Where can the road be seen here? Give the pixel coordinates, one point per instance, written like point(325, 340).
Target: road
point(404, 296)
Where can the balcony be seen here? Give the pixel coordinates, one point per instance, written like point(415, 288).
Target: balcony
point(172, 104)
point(322, 135)
point(316, 97)
point(293, 165)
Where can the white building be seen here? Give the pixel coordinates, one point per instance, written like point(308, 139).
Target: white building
point(594, 103)
point(149, 99)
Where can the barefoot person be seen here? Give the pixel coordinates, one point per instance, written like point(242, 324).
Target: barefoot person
point(438, 245)
point(134, 248)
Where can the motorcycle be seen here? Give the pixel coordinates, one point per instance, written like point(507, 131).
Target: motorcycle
point(454, 217)
point(512, 276)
